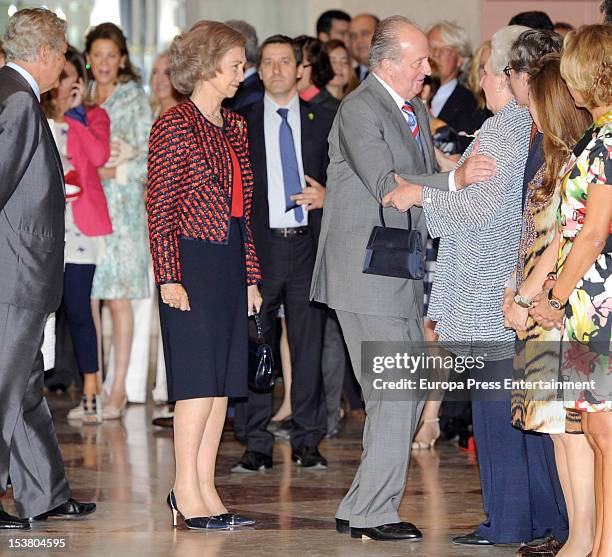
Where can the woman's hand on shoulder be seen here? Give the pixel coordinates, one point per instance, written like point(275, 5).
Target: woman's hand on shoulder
point(175, 295)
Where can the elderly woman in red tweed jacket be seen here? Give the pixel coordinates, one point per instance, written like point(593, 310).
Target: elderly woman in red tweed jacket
point(199, 204)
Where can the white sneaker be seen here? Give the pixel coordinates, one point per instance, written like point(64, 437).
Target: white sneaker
point(77, 412)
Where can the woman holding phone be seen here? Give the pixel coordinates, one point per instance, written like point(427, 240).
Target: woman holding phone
point(82, 135)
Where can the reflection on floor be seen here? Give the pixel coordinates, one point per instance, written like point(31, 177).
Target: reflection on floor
point(127, 467)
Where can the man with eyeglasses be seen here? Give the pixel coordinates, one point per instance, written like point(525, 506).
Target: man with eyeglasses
point(449, 48)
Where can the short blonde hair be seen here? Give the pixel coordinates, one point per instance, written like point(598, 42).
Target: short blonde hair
point(30, 30)
point(475, 73)
point(196, 55)
point(586, 63)
point(455, 37)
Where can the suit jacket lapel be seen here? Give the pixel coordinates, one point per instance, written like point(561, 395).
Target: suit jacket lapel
point(396, 115)
point(45, 125)
point(257, 146)
point(56, 155)
point(426, 141)
point(449, 106)
point(306, 124)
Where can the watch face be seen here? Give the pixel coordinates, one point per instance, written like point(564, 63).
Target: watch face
point(555, 304)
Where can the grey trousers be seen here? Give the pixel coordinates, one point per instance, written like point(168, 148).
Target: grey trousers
point(333, 367)
point(28, 445)
point(378, 487)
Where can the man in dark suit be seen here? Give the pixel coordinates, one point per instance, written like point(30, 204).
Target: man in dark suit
point(333, 24)
point(31, 268)
point(251, 89)
point(361, 31)
point(453, 103)
point(288, 145)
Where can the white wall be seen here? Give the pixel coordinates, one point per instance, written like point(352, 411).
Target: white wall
point(294, 17)
point(290, 17)
point(496, 13)
point(479, 17)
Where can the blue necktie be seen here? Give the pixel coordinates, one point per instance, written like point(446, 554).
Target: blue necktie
point(291, 173)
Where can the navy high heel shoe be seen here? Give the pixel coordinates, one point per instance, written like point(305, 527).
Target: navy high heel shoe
point(197, 522)
point(235, 520)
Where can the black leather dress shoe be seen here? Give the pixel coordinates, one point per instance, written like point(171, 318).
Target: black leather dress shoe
point(399, 531)
point(309, 457)
point(252, 461)
point(342, 526)
point(234, 520)
point(70, 509)
point(10, 522)
point(471, 539)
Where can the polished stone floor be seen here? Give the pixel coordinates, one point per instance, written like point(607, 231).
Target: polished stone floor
point(127, 467)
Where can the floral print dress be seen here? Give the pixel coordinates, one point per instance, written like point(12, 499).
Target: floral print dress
point(588, 317)
point(122, 271)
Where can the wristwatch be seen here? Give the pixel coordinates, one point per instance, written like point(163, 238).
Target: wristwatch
point(554, 302)
point(522, 301)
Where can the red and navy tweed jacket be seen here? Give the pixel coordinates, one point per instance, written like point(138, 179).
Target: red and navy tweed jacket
point(190, 186)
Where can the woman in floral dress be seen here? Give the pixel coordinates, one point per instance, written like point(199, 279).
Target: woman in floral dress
point(122, 273)
point(580, 300)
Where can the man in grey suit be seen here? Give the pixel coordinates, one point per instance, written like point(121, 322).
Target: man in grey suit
point(31, 268)
point(381, 129)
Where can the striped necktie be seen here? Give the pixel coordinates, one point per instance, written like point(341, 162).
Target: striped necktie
point(413, 123)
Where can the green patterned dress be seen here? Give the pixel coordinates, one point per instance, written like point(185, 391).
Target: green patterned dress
point(122, 272)
point(588, 318)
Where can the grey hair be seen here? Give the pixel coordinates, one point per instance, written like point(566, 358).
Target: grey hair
point(30, 30)
point(251, 47)
point(455, 36)
point(501, 46)
point(385, 41)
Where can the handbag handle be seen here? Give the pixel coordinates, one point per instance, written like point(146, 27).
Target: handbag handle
point(258, 326)
point(382, 219)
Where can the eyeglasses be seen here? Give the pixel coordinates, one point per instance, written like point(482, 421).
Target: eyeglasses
point(506, 71)
point(438, 51)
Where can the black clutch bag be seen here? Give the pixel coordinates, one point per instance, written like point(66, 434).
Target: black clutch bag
point(261, 377)
point(395, 252)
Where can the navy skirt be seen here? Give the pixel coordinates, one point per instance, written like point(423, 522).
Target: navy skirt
point(206, 349)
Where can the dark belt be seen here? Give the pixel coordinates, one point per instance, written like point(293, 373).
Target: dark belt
point(285, 232)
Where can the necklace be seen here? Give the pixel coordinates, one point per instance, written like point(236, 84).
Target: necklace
point(216, 117)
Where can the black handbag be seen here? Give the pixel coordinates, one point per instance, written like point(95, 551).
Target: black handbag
point(261, 375)
point(395, 252)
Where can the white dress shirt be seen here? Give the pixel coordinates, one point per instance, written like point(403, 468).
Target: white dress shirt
point(249, 72)
point(441, 96)
point(276, 187)
point(362, 71)
point(28, 77)
point(399, 101)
